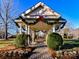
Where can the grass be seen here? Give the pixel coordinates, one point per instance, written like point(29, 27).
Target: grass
point(71, 41)
point(69, 44)
point(4, 43)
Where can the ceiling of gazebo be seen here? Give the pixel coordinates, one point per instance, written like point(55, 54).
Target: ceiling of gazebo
point(40, 26)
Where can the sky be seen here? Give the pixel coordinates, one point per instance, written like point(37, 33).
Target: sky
point(68, 9)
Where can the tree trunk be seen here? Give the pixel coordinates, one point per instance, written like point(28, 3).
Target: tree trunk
point(6, 34)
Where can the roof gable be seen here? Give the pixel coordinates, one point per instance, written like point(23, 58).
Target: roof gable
point(40, 9)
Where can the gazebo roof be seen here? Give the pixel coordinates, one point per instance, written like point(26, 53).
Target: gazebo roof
point(39, 11)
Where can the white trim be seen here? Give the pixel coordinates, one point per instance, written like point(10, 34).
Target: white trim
point(17, 20)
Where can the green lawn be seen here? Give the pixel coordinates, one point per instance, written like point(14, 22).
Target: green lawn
point(69, 44)
point(71, 41)
point(66, 44)
point(4, 43)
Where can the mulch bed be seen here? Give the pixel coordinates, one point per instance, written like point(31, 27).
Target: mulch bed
point(7, 48)
point(13, 52)
point(12, 47)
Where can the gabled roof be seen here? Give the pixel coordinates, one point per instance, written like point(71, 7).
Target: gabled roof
point(40, 9)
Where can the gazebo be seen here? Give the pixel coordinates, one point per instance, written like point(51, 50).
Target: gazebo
point(39, 18)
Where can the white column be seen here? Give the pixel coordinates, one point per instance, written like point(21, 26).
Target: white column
point(28, 32)
point(26, 29)
point(20, 29)
point(54, 28)
point(33, 37)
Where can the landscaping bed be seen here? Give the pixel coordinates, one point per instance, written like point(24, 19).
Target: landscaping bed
point(11, 52)
point(68, 54)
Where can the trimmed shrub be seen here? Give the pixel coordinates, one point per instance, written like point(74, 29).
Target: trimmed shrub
point(21, 40)
point(54, 40)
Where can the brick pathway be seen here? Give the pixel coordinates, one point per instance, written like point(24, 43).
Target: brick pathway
point(40, 52)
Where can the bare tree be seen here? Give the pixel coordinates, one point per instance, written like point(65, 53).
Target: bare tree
point(7, 14)
point(67, 30)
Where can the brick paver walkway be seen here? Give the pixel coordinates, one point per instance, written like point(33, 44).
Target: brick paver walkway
point(40, 52)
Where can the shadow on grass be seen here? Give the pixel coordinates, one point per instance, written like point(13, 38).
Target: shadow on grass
point(69, 46)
